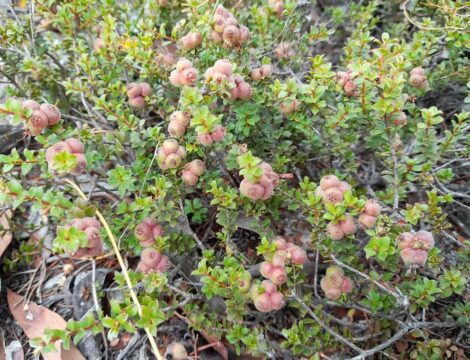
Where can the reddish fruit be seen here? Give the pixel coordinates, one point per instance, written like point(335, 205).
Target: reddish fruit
point(372, 208)
point(143, 231)
point(134, 90)
point(76, 147)
point(417, 71)
point(38, 119)
point(52, 112)
point(218, 77)
point(55, 149)
point(348, 226)
point(400, 119)
point(191, 40)
point(405, 240)
point(333, 294)
point(277, 300)
point(347, 285)
point(183, 64)
point(334, 231)
point(90, 222)
point(253, 191)
point(197, 167)
point(414, 257)
point(234, 93)
point(425, 239)
point(256, 75)
point(334, 271)
point(158, 231)
point(137, 102)
point(81, 164)
point(367, 221)
point(181, 118)
point(288, 107)
point(30, 104)
point(268, 192)
point(350, 88)
point(170, 146)
point(146, 89)
point(223, 66)
point(218, 134)
point(175, 78)
point(332, 196)
point(151, 257)
point(262, 302)
point(283, 51)
point(143, 268)
point(163, 265)
point(175, 129)
point(181, 152)
point(188, 76)
point(298, 256)
point(329, 181)
point(189, 178)
point(344, 186)
point(93, 236)
point(244, 91)
point(266, 70)
point(278, 275)
point(231, 35)
point(266, 269)
point(205, 139)
point(215, 37)
point(98, 43)
point(244, 34)
point(219, 24)
point(280, 243)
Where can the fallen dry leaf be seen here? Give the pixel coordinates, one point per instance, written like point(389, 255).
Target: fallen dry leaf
point(35, 319)
point(5, 235)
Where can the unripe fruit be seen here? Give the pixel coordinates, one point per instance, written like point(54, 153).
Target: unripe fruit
point(151, 257)
point(188, 76)
point(197, 167)
point(367, 221)
point(189, 178)
point(266, 70)
point(218, 134)
point(81, 164)
point(405, 240)
point(329, 181)
point(183, 64)
point(332, 196)
point(414, 257)
point(223, 66)
point(137, 102)
point(52, 112)
point(30, 104)
point(244, 91)
point(205, 139)
point(181, 118)
point(278, 275)
point(372, 208)
point(38, 119)
point(170, 146)
point(262, 302)
point(253, 191)
point(256, 75)
point(173, 161)
point(425, 239)
point(76, 147)
point(146, 89)
point(244, 282)
point(175, 129)
point(175, 78)
point(134, 90)
point(334, 231)
point(143, 231)
point(347, 225)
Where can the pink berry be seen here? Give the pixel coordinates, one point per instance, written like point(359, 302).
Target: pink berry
point(173, 161)
point(151, 257)
point(334, 231)
point(215, 37)
point(266, 70)
point(253, 191)
point(189, 178)
point(256, 75)
point(143, 268)
point(265, 269)
point(289, 106)
point(81, 164)
point(146, 89)
point(143, 231)
point(163, 265)
point(52, 112)
point(205, 139)
point(223, 66)
point(372, 208)
point(329, 181)
point(158, 231)
point(30, 104)
point(244, 34)
point(244, 91)
point(350, 88)
point(38, 120)
point(231, 35)
point(278, 275)
point(268, 192)
point(280, 243)
point(347, 285)
point(234, 93)
point(188, 76)
point(344, 186)
point(405, 240)
point(183, 64)
point(175, 78)
point(348, 226)
point(298, 256)
point(137, 102)
point(93, 237)
point(417, 71)
point(332, 196)
point(367, 221)
point(197, 167)
point(181, 118)
point(134, 90)
point(76, 147)
point(333, 294)
point(90, 222)
point(262, 302)
point(170, 146)
point(425, 239)
point(55, 149)
point(414, 257)
point(218, 134)
point(175, 129)
point(277, 300)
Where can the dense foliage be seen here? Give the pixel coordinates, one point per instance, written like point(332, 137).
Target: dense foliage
point(286, 177)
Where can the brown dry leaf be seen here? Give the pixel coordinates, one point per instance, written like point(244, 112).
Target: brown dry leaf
point(5, 235)
point(35, 319)
point(218, 346)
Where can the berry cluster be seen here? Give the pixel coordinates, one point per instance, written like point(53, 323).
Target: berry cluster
point(261, 73)
point(73, 146)
point(266, 298)
point(332, 190)
point(339, 229)
point(147, 231)
point(368, 218)
point(170, 154)
point(335, 283)
point(215, 135)
point(137, 93)
point(43, 115)
point(190, 41)
point(418, 78)
point(179, 122)
point(192, 172)
point(184, 73)
point(274, 270)
point(263, 188)
point(227, 30)
point(278, 6)
point(414, 247)
point(222, 74)
point(91, 227)
point(152, 260)
point(283, 51)
point(346, 81)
